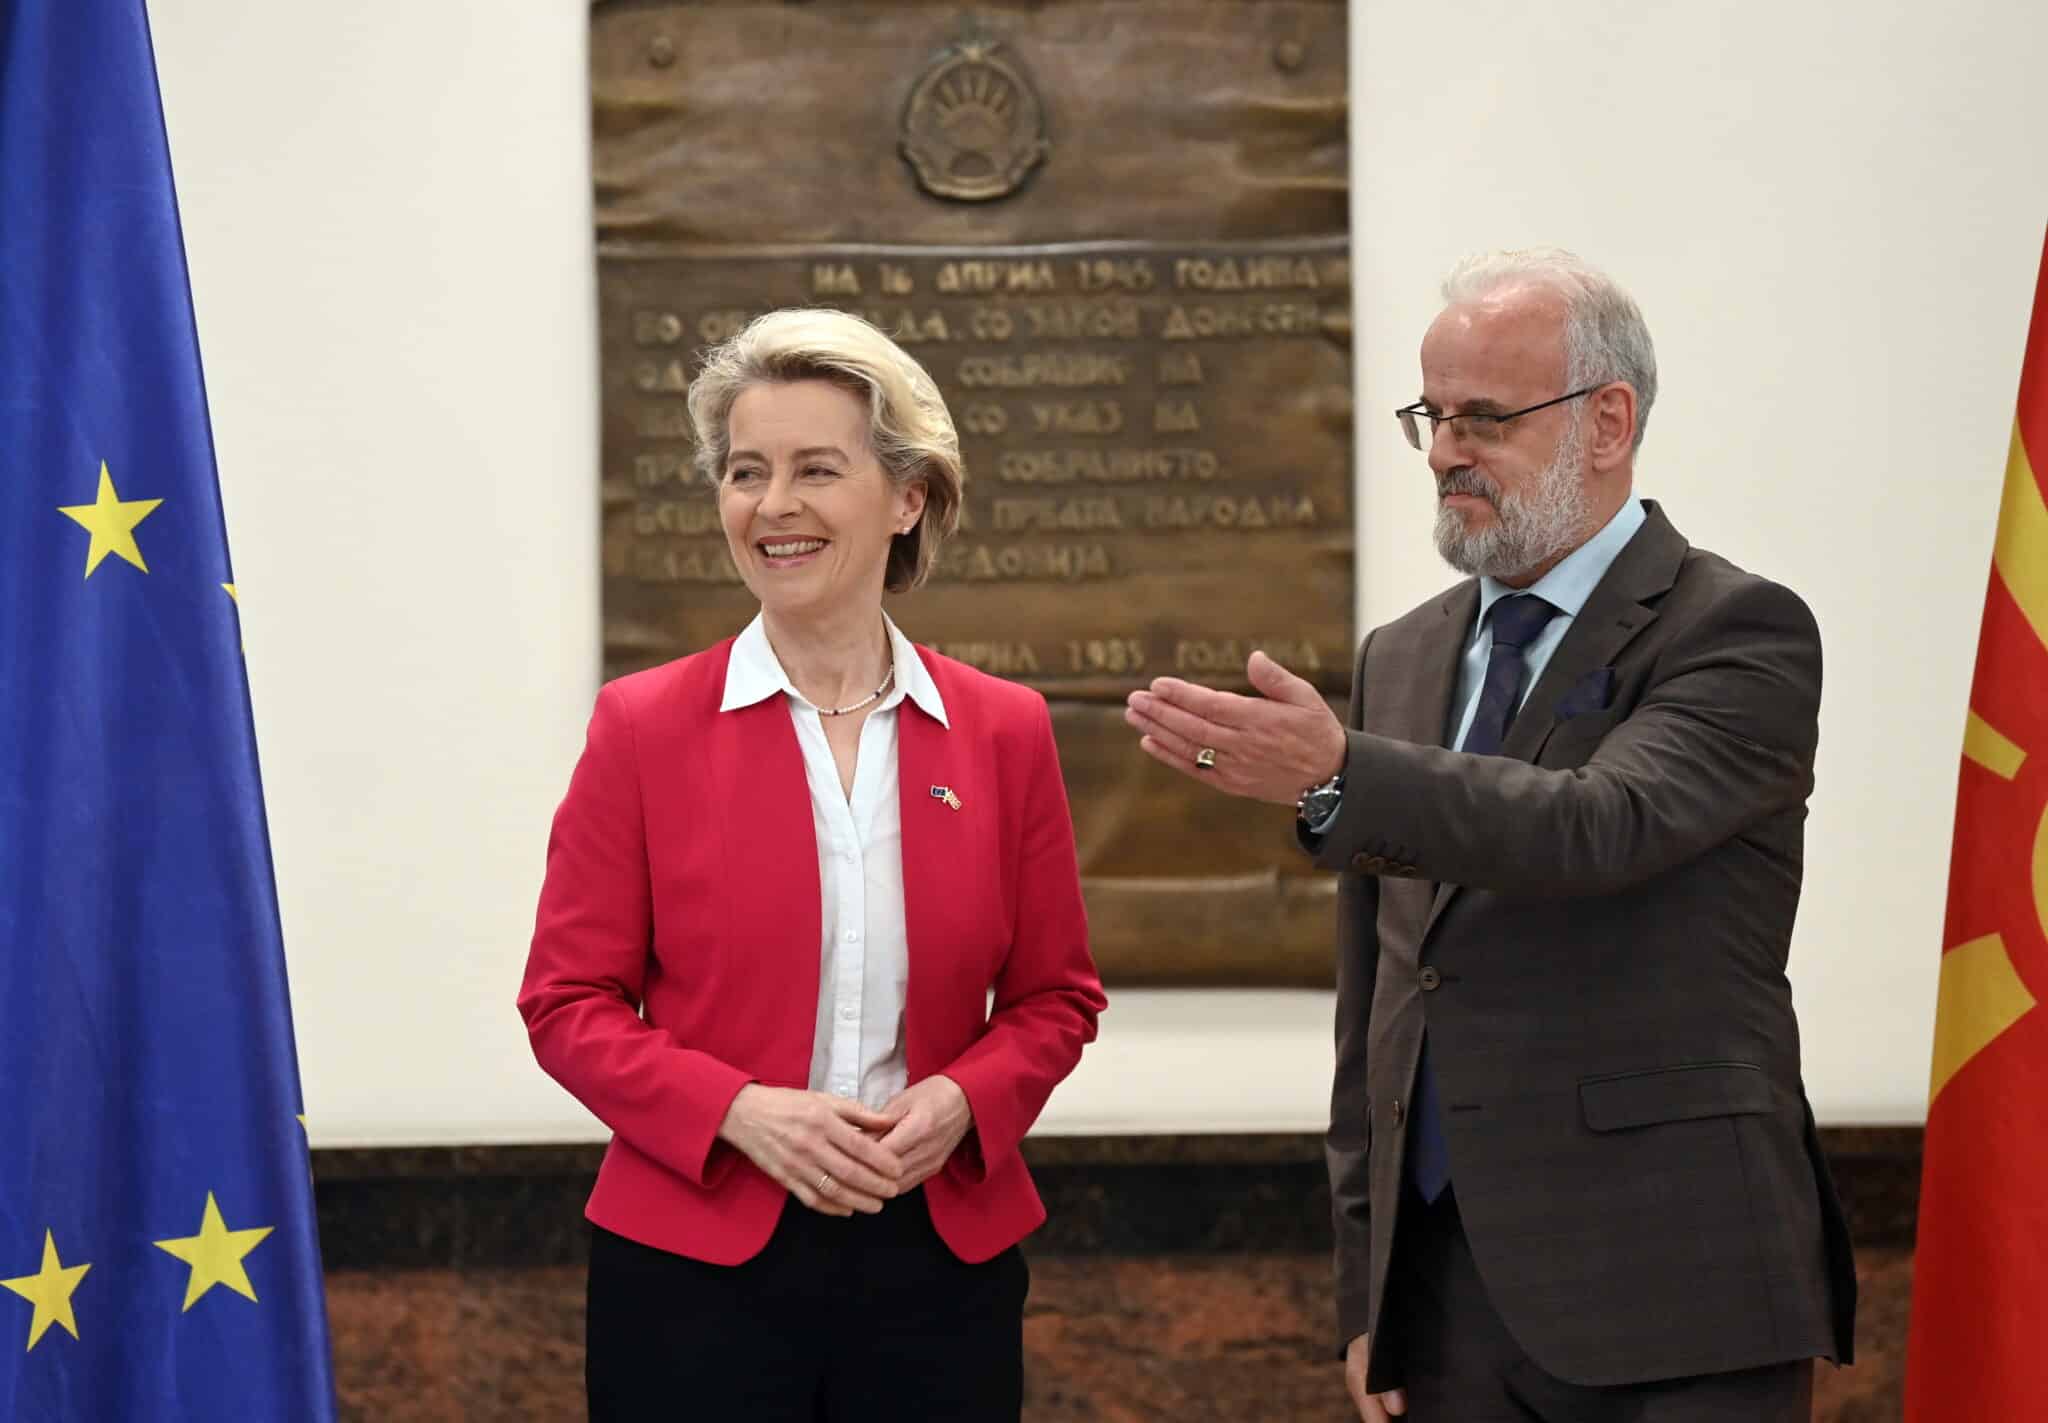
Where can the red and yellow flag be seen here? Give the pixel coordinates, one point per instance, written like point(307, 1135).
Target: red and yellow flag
point(1979, 1341)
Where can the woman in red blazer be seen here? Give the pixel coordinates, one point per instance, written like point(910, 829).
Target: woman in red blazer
point(812, 929)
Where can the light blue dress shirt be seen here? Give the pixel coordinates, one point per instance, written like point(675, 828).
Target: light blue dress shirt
point(1566, 588)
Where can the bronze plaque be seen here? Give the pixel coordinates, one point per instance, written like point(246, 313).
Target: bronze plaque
point(1116, 234)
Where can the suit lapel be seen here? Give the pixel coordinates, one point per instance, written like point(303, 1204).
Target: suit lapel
point(771, 843)
point(1424, 712)
point(1594, 639)
point(1619, 609)
point(926, 756)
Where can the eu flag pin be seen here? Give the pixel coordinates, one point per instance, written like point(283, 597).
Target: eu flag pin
point(945, 793)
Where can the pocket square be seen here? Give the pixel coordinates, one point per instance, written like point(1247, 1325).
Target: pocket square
point(1592, 692)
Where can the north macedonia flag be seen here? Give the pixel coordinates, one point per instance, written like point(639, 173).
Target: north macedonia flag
point(1979, 1340)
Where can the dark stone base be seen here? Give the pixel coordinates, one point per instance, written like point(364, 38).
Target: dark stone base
point(1183, 1278)
point(1237, 1338)
point(519, 1206)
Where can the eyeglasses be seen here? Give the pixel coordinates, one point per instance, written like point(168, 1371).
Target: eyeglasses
point(1481, 428)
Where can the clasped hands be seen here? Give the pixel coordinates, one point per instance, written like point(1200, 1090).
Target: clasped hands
point(1269, 747)
point(837, 1156)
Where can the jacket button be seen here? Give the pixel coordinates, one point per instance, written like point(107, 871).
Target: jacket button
point(1431, 980)
point(1395, 1111)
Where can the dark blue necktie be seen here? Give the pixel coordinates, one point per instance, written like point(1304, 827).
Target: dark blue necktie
point(1517, 622)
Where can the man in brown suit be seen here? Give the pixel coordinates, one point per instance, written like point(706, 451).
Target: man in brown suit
point(1574, 1172)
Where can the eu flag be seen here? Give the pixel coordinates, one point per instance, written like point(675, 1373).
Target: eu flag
point(158, 1259)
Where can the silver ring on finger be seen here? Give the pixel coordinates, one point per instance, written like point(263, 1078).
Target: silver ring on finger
point(825, 1184)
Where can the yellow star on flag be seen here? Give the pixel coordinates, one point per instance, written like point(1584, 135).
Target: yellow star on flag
point(111, 520)
point(229, 589)
point(49, 1290)
point(215, 1255)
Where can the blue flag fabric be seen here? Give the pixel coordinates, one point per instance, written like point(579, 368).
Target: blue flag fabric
point(158, 1256)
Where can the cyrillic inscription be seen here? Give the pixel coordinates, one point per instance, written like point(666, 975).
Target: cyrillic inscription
point(1123, 415)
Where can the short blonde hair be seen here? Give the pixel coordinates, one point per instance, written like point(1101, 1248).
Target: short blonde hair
point(1605, 336)
point(909, 427)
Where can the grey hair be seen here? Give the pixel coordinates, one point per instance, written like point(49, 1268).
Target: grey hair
point(1605, 337)
point(909, 427)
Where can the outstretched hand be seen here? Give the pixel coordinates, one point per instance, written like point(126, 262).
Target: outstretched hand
point(1268, 747)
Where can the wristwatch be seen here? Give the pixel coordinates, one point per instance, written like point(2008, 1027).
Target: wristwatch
point(1318, 802)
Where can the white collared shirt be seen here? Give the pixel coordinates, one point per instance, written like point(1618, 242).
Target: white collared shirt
point(864, 953)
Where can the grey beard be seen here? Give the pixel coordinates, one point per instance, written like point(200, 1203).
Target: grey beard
point(1528, 530)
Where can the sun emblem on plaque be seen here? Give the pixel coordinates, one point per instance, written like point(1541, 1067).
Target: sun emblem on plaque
point(974, 126)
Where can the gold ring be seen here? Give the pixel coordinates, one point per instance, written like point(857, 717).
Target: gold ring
point(825, 1184)
point(1206, 758)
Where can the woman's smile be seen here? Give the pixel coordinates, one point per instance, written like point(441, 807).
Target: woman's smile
point(786, 553)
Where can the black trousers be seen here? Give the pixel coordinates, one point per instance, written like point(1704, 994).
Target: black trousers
point(835, 1321)
point(1461, 1365)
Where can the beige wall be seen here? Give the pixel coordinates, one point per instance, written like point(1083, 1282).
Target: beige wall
point(1823, 211)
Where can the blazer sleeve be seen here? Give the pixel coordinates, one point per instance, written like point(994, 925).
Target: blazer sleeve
point(1047, 993)
point(1722, 739)
point(592, 938)
point(1347, 1146)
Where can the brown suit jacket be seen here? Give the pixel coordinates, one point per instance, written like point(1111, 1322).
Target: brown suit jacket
point(1594, 928)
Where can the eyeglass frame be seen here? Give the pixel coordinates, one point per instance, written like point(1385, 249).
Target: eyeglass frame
point(1409, 427)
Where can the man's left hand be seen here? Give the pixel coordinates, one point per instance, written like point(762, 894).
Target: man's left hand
point(1270, 747)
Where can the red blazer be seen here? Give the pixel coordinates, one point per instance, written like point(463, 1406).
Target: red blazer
point(675, 952)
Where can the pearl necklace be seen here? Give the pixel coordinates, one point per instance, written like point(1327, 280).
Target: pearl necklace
point(856, 706)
